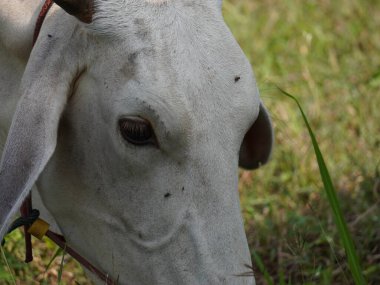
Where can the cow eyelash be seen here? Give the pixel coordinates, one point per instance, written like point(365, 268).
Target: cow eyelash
point(137, 131)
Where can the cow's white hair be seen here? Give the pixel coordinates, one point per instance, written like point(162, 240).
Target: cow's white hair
point(110, 16)
point(163, 212)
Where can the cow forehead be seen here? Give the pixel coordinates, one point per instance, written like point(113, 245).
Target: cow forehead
point(178, 58)
point(168, 88)
point(156, 1)
point(116, 17)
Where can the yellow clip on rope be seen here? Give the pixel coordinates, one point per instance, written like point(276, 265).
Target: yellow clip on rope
point(39, 228)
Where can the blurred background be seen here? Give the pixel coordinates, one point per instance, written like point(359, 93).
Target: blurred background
point(327, 54)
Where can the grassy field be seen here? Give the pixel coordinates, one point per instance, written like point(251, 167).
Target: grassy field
point(327, 54)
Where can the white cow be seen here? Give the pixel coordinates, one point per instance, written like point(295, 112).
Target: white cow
point(132, 118)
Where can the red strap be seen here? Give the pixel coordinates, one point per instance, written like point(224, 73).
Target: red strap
point(25, 210)
point(26, 207)
point(61, 242)
point(41, 17)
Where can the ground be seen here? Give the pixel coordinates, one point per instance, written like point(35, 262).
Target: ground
point(327, 54)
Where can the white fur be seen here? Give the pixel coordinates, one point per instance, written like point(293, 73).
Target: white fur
point(174, 63)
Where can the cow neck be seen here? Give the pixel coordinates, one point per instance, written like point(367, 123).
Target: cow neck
point(26, 207)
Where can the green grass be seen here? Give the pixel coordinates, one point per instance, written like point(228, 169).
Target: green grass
point(340, 222)
point(327, 53)
point(50, 265)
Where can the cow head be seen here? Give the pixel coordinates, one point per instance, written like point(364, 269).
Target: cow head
point(134, 120)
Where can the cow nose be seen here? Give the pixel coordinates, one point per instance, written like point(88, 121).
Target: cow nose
point(211, 253)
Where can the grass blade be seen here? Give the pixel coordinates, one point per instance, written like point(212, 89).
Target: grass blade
point(262, 268)
point(7, 265)
point(58, 252)
point(344, 234)
point(61, 266)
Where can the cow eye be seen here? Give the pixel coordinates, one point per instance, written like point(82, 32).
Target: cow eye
point(137, 131)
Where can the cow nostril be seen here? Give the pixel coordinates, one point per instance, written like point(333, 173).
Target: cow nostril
point(237, 78)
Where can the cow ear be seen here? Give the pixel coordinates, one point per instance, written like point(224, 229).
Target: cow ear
point(258, 142)
point(32, 137)
point(83, 10)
